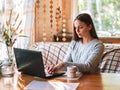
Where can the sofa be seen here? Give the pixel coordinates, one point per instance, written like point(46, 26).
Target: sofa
point(54, 52)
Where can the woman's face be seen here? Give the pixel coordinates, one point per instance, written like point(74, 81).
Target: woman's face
point(81, 28)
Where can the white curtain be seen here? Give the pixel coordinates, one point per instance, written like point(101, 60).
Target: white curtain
point(74, 11)
point(28, 24)
point(25, 8)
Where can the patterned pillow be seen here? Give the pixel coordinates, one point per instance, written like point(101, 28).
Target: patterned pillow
point(111, 61)
point(110, 47)
point(53, 52)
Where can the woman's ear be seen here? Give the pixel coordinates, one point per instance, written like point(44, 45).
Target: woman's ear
point(90, 27)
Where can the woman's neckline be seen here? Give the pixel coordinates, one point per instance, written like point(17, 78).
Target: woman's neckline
point(88, 42)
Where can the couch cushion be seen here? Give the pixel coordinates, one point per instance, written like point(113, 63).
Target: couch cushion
point(110, 47)
point(53, 52)
point(111, 61)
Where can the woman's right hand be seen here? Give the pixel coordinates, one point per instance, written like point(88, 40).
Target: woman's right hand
point(52, 69)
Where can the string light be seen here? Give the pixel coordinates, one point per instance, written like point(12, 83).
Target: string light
point(37, 20)
point(44, 19)
point(58, 16)
point(51, 13)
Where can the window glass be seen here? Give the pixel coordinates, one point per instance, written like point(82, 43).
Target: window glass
point(5, 8)
point(105, 14)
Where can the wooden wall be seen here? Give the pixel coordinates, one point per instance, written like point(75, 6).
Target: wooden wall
point(43, 30)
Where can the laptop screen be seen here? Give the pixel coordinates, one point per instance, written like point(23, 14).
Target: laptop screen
point(29, 62)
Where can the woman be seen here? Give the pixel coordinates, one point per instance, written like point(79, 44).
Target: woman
point(85, 50)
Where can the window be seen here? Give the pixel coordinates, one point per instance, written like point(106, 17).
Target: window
point(105, 14)
point(5, 9)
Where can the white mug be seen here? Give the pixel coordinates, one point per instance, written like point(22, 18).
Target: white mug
point(71, 71)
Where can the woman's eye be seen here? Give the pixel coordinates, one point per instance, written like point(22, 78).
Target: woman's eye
point(80, 27)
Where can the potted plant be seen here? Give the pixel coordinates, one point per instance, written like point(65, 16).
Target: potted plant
point(10, 33)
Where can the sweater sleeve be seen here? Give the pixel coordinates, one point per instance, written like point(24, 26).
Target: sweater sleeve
point(68, 57)
point(93, 59)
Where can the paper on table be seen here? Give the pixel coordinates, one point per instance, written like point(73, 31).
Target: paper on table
point(37, 85)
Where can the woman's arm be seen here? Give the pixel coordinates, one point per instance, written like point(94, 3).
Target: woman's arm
point(68, 57)
point(93, 59)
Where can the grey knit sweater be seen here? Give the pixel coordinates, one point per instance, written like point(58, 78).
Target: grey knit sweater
point(85, 56)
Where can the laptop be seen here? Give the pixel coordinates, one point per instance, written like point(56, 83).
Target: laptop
point(31, 62)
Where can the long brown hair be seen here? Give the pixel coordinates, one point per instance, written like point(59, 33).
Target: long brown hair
point(86, 18)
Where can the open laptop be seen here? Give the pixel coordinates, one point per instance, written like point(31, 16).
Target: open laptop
point(31, 62)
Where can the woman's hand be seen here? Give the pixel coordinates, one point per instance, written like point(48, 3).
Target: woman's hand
point(52, 69)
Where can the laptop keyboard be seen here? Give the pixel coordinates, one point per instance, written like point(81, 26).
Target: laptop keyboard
point(54, 75)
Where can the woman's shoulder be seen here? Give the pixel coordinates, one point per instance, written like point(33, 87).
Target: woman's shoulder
point(98, 43)
point(73, 43)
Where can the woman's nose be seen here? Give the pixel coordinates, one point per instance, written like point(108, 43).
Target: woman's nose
point(77, 30)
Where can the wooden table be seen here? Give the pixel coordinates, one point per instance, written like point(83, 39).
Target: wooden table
point(103, 81)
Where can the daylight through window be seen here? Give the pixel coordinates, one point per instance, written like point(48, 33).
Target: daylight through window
point(106, 15)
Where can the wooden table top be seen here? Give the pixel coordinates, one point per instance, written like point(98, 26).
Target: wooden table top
point(102, 81)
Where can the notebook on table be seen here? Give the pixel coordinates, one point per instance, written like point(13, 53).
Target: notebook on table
point(31, 62)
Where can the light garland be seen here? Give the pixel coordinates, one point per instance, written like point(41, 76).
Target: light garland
point(54, 15)
point(44, 25)
point(58, 16)
point(51, 19)
point(63, 22)
point(51, 13)
point(37, 20)
point(64, 29)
